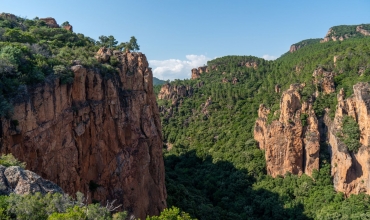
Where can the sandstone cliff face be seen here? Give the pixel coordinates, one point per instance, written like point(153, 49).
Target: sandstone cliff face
point(100, 135)
point(290, 143)
point(350, 170)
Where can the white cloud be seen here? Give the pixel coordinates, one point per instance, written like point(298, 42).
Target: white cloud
point(175, 68)
point(269, 57)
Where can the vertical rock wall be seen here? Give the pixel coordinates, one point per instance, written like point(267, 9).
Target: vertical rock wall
point(290, 145)
point(101, 135)
point(350, 170)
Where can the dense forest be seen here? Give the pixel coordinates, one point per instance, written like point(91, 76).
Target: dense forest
point(214, 169)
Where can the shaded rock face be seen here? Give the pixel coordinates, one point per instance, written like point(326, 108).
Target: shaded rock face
point(202, 69)
point(50, 22)
point(351, 171)
point(195, 73)
point(290, 144)
point(324, 80)
point(294, 48)
point(100, 136)
point(16, 180)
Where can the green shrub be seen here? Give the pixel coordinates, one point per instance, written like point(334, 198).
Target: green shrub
point(9, 160)
point(350, 135)
point(172, 213)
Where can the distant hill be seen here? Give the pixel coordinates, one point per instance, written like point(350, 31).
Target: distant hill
point(336, 33)
point(157, 81)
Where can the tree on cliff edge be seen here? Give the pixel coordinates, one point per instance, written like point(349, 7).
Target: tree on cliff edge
point(107, 41)
point(131, 45)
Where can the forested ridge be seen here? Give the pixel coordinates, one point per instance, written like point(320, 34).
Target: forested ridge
point(214, 169)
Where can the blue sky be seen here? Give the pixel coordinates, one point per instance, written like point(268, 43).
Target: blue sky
point(177, 35)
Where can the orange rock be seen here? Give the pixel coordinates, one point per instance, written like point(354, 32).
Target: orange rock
point(50, 22)
point(173, 92)
point(350, 171)
point(289, 145)
point(96, 132)
point(325, 80)
point(68, 28)
point(195, 73)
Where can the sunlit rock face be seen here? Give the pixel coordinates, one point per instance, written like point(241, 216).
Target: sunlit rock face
point(100, 135)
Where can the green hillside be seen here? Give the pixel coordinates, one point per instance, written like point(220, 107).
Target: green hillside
point(157, 81)
point(214, 169)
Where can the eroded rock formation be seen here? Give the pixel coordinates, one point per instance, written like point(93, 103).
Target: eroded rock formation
point(195, 73)
point(294, 48)
point(361, 30)
point(351, 170)
point(291, 143)
point(50, 22)
point(175, 92)
point(68, 27)
point(324, 80)
point(100, 135)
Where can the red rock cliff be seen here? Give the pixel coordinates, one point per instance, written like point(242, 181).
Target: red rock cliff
point(350, 170)
point(290, 143)
point(100, 135)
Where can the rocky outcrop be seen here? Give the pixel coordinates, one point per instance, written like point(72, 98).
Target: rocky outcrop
point(103, 55)
point(294, 48)
point(291, 143)
point(361, 30)
point(251, 64)
point(195, 73)
point(351, 170)
point(8, 16)
point(68, 27)
point(175, 92)
point(100, 135)
point(202, 69)
point(19, 181)
point(50, 22)
point(205, 105)
point(324, 80)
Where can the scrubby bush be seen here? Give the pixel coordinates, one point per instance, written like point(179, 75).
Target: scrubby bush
point(350, 134)
point(9, 160)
